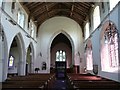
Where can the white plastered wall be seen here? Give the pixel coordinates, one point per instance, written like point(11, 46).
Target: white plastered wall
point(49, 30)
point(95, 38)
point(10, 32)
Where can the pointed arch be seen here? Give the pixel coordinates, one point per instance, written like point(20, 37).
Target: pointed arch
point(64, 33)
point(69, 38)
point(30, 63)
point(20, 68)
point(109, 47)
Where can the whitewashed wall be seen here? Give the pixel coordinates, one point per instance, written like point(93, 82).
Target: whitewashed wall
point(10, 31)
point(51, 28)
point(47, 32)
point(95, 38)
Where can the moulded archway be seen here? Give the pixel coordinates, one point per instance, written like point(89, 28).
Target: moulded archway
point(109, 47)
point(17, 51)
point(69, 38)
point(49, 30)
point(29, 59)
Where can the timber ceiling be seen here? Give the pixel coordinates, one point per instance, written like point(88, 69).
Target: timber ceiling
point(41, 11)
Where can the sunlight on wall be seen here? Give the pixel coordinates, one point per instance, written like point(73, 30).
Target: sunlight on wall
point(89, 55)
point(105, 58)
point(113, 3)
point(89, 60)
point(87, 33)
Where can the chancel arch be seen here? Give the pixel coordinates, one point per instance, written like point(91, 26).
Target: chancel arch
point(61, 41)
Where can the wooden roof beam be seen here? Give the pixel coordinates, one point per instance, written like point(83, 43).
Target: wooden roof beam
point(78, 17)
point(27, 3)
point(46, 6)
point(72, 8)
point(81, 7)
point(49, 11)
point(36, 9)
point(87, 4)
point(34, 6)
point(82, 10)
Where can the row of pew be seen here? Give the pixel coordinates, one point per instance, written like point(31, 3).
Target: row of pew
point(91, 82)
point(30, 82)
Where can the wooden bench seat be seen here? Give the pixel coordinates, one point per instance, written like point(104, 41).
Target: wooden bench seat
point(86, 82)
point(96, 84)
point(30, 82)
point(25, 84)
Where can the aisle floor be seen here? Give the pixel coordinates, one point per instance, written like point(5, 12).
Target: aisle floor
point(60, 85)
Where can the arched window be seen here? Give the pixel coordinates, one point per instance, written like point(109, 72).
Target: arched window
point(113, 3)
point(89, 57)
point(32, 28)
point(13, 6)
point(11, 61)
point(21, 18)
point(60, 55)
point(96, 17)
point(1, 3)
point(87, 30)
point(109, 48)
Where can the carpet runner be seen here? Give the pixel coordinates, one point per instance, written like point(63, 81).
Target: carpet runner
point(60, 85)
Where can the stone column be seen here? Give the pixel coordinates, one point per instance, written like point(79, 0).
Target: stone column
point(1, 58)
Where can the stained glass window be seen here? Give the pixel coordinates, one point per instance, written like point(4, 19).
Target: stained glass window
point(11, 61)
point(113, 52)
point(60, 55)
point(109, 49)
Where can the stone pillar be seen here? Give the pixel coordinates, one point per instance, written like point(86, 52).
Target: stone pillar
point(1, 58)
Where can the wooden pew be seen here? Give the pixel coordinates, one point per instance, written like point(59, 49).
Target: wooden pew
point(31, 82)
point(96, 85)
point(90, 82)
